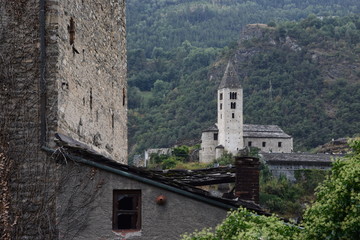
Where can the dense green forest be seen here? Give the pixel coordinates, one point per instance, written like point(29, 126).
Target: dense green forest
point(303, 76)
point(215, 23)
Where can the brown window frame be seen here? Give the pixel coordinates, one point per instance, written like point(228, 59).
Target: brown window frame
point(136, 195)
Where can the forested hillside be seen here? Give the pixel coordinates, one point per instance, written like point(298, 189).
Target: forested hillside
point(303, 76)
point(215, 23)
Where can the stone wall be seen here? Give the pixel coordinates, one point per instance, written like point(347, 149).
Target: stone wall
point(286, 164)
point(289, 170)
point(91, 73)
point(31, 181)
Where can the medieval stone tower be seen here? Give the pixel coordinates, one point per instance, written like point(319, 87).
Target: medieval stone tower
point(230, 111)
point(62, 70)
point(74, 54)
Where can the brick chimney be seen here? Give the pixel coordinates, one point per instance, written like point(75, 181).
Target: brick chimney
point(247, 178)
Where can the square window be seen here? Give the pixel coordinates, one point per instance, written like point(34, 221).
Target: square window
point(264, 144)
point(279, 144)
point(215, 136)
point(126, 210)
point(249, 144)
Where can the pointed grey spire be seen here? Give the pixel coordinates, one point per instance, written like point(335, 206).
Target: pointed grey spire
point(230, 78)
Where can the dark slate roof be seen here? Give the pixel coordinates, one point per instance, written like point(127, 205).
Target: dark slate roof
point(212, 128)
point(80, 152)
point(230, 78)
point(298, 158)
point(264, 131)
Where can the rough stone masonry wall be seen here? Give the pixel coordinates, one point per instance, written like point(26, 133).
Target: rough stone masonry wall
point(91, 73)
point(28, 211)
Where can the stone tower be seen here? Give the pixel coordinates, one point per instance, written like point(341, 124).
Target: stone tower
point(74, 54)
point(62, 70)
point(230, 111)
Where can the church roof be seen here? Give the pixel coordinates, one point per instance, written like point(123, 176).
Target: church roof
point(230, 78)
point(264, 131)
point(212, 128)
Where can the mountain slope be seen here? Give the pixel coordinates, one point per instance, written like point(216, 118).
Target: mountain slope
point(215, 23)
point(302, 76)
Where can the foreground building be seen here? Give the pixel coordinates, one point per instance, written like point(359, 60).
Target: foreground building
point(230, 134)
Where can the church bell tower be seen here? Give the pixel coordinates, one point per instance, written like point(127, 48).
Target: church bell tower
point(230, 111)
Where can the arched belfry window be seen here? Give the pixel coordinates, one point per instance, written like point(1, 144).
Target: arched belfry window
point(233, 95)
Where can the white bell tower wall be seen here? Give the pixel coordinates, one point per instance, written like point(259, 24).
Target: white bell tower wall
point(230, 119)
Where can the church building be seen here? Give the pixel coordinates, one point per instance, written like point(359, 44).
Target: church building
point(229, 134)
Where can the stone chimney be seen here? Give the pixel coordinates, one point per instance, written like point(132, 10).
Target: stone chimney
point(247, 178)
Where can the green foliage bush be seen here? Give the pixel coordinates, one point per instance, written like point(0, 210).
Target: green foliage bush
point(226, 159)
point(181, 153)
point(336, 211)
point(246, 225)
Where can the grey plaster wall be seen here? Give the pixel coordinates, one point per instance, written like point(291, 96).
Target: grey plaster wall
point(179, 215)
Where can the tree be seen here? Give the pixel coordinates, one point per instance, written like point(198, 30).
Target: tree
point(245, 225)
point(336, 211)
point(334, 215)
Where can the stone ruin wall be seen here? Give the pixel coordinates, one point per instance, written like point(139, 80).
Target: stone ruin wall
point(91, 73)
